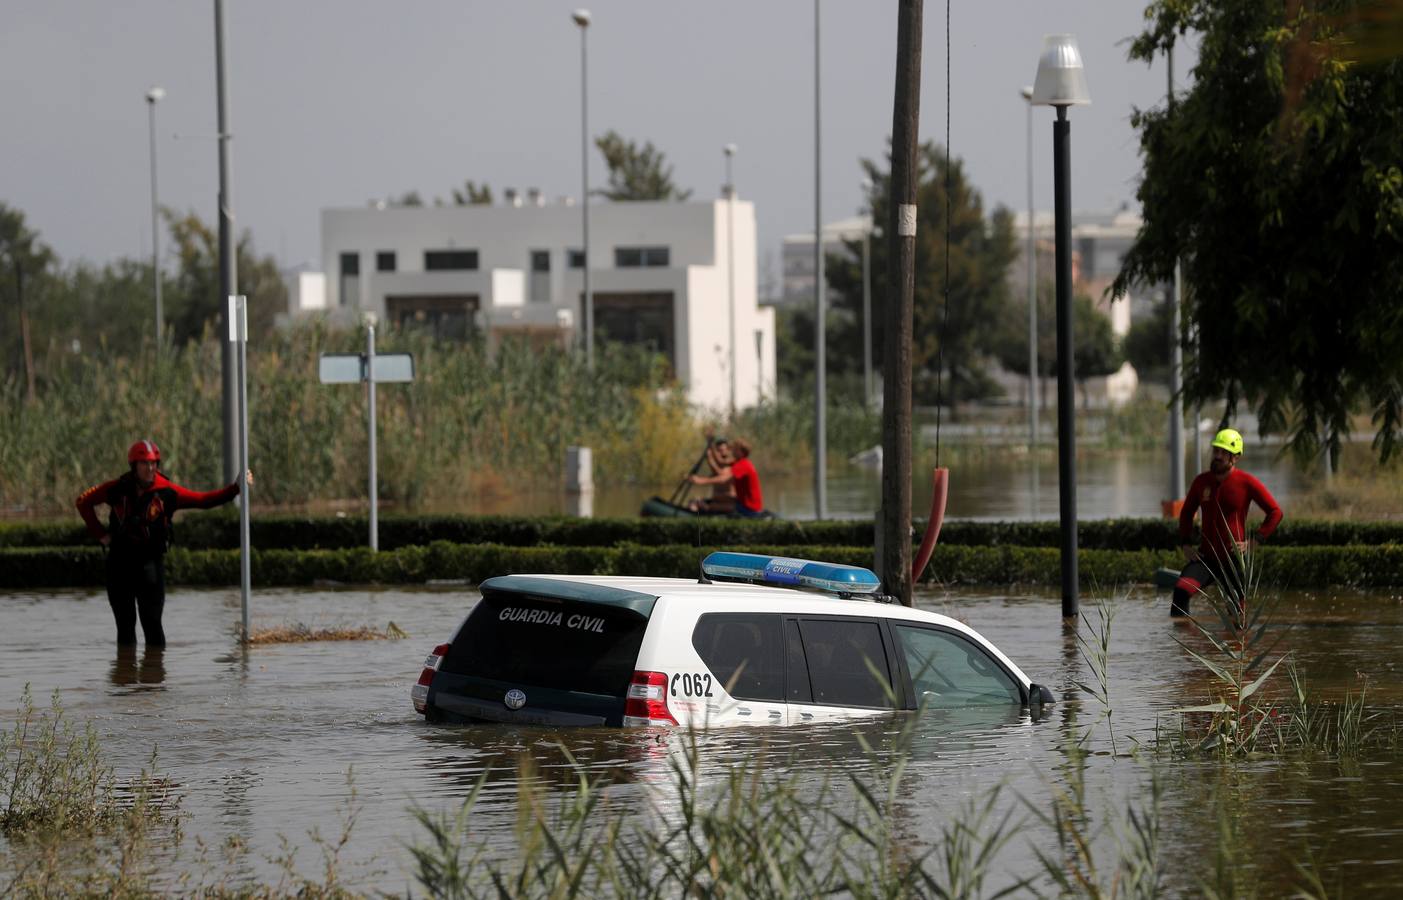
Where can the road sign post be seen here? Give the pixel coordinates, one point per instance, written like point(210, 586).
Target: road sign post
point(368, 368)
point(238, 336)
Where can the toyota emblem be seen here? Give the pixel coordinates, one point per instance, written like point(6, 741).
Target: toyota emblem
point(515, 699)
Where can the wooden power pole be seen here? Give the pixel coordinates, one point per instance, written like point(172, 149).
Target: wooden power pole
point(895, 537)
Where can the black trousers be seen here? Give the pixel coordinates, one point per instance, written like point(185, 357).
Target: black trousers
point(137, 587)
point(1201, 574)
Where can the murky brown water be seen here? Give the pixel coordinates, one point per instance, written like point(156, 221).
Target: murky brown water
point(260, 742)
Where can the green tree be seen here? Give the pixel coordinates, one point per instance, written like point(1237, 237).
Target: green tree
point(981, 249)
point(25, 264)
point(473, 194)
point(194, 303)
point(1276, 178)
point(636, 173)
point(1095, 351)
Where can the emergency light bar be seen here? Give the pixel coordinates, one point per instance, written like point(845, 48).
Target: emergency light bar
point(780, 570)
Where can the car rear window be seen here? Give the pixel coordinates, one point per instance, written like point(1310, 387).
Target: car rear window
point(549, 642)
point(745, 653)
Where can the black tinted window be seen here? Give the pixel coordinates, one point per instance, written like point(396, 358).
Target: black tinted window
point(949, 670)
point(797, 671)
point(842, 657)
point(449, 260)
point(549, 643)
point(744, 652)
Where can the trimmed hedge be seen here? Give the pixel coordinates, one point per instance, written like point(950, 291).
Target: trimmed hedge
point(1284, 567)
point(220, 530)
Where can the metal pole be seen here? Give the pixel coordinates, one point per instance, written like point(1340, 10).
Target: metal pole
point(370, 414)
point(867, 316)
point(1032, 292)
point(1176, 361)
point(731, 268)
point(894, 533)
point(240, 318)
point(820, 360)
point(584, 177)
point(1066, 397)
point(228, 264)
point(151, 97)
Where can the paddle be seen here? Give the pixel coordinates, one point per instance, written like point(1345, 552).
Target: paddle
point(681, 493)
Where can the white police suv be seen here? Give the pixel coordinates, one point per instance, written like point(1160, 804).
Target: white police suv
point(741, 645)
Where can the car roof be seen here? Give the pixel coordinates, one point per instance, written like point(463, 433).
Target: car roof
point(737, 597)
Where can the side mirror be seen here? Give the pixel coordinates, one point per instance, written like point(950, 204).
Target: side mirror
point(1039, 695)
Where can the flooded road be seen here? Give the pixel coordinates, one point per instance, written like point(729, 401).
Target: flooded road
point(260, 742)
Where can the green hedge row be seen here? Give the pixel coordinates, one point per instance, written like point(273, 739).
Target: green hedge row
point(200, 531)
point(1284, 567)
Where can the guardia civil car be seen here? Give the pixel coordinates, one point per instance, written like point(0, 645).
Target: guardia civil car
point(757, 639)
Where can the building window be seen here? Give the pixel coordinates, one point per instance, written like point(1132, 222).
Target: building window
point(385, 261)
point(350, 264)
point(641, 257)
point(540, 260)
point(449, 260)
point(576, 259)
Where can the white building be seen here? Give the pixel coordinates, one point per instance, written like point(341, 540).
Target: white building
point(659, 276)
point(797, 255)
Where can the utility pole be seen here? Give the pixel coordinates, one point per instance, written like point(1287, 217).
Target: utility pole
point(228, 263)
point(895, 539)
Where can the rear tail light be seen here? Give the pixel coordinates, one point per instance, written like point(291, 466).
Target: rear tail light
point(420, 692)
point(647, 701)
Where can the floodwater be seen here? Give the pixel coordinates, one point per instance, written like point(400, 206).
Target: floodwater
point(260, 742)
point(1003, 486)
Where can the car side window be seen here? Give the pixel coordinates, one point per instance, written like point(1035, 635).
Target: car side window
point(948, 670)
point(745, 652)
point(797, 674)
point(847, 665)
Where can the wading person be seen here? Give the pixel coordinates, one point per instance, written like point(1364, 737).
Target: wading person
point(1222, 496)
point(723, 492)
point(140, 505)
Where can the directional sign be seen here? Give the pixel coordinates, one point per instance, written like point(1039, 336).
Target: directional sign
point(349, 368)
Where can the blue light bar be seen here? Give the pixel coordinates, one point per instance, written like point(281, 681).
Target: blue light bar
point(804, 573)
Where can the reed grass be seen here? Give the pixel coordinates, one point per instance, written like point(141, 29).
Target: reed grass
point(299, 633)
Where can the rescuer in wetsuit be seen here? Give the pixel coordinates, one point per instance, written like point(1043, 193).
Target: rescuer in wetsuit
point(140, 505)
point(1224, 494)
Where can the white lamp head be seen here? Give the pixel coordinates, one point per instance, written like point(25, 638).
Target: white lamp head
point(1027, 92)
point(1061, 79)
point(581, 17)
point(730, 149)
point(155, 94)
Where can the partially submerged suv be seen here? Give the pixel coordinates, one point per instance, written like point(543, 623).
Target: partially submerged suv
point(739, 646)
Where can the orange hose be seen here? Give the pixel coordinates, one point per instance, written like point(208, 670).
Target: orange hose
point(940, 492)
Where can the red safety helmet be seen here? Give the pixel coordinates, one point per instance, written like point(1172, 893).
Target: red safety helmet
point(143, 451)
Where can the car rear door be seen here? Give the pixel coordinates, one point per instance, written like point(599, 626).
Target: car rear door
point(839, 667)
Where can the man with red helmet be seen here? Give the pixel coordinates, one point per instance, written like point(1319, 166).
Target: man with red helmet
point(140, 505)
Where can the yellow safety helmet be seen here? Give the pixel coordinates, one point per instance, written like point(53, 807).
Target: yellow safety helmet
point(1230, 440)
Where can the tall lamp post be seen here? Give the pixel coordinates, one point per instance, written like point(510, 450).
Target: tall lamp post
point(820, 311)
point(1061, 82)
point(582, 19)
point(1032, 289)
point(867, 297)
point(730, 151)
point(228, 260)
point(1176, 356)
point(154, 96)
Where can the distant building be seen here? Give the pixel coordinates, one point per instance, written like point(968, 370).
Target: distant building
point(797, 256)
point(658, 275)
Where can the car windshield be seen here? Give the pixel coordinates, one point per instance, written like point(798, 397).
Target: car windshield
point(548, 642)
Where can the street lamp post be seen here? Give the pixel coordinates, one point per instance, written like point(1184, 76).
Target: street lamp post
point(582, 19)
point(730, 151)
point(154, 96)
point(1061, 83)
point(1032, 290)
point(867, 297)
point(820, 358)
point(228, 258)
point(1176, 357)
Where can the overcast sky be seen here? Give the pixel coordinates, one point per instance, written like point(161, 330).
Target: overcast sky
point(336, 102)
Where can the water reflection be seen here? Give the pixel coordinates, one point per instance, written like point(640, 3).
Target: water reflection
point(146, 673)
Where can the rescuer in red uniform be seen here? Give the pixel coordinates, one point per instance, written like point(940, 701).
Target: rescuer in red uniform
point(141, 505)
point(1224, 493)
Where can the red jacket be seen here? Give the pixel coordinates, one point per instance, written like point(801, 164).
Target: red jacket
point(1225, 505)
point(139, 517)
point(747, 482)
